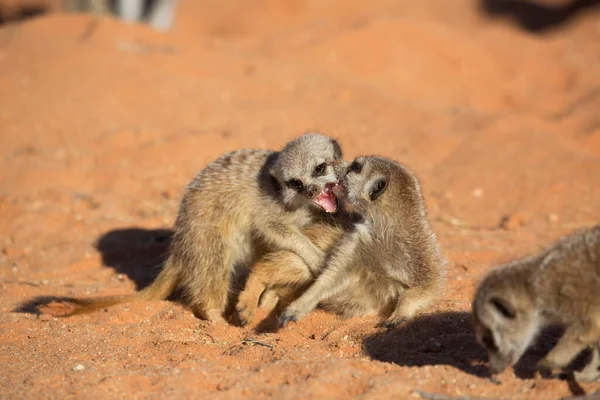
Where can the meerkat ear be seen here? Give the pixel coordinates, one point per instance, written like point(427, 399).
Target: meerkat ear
point(273, 171)
point(504, 307)
point(337, 150)
point(378, 189)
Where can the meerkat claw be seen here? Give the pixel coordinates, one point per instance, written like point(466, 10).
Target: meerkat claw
point(284, 319)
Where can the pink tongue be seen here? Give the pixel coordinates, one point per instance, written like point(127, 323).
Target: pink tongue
point(327, 202)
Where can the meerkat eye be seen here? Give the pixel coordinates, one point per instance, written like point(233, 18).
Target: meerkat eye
point(355, 167)
point(504, 307)
point(378, 189)
point(295, 184)
point(489, 342)
point(320, 169)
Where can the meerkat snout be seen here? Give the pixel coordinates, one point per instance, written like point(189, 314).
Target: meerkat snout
point(310, 181)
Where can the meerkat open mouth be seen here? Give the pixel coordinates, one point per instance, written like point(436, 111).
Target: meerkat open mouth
point(327, 199)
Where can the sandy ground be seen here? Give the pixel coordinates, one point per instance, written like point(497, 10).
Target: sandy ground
point(102, 124)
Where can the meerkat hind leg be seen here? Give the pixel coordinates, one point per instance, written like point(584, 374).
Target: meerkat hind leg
point(409, 304)
point(207, 289)
point(268, 299)
point(282, 268)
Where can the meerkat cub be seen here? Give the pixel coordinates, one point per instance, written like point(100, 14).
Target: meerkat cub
point(242, 203)
point(559, 285)
point(389, 262)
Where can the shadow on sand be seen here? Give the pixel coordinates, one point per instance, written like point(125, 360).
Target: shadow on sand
point(135, 252)
point(537, 18)
point(448, 339)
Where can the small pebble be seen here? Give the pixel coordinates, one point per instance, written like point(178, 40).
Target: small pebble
point(78, 367)
point(513, 221)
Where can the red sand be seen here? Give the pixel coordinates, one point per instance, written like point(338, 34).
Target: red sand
point(102, 124)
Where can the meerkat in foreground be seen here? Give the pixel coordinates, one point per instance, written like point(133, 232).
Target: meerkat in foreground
point(561, 285)
point(241, 204)
point(389, 262)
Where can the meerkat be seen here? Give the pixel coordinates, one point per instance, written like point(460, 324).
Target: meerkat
point(388, 263)
point(240, 204)
point(560, 285)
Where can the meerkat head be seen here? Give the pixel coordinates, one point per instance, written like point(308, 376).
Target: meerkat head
point(504, 318)
point(308, 171)
point(378, 186)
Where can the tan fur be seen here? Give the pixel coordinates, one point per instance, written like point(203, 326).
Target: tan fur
point(560, 285)
point(389, 263)
point(238, 206)
point(284, 274)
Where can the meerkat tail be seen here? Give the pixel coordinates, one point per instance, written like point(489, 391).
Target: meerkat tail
point(160, 289)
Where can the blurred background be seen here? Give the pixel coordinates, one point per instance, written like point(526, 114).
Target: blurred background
point(492, 101)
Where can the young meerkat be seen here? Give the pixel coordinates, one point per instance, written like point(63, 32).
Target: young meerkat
point(388, 262)
point(561, 285)
point(241, 204)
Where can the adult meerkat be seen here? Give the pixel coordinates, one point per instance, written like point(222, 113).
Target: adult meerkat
point(559, 285)
point(240, 204)
point(388, 263)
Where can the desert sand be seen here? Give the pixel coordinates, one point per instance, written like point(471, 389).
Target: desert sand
point(102, 124)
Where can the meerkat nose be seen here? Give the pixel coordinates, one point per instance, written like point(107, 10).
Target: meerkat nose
point(311, 190)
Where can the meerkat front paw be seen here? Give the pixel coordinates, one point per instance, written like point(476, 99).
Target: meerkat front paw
point(392, 323)
point(285, 318)
point(295, 312)
point(291, 314)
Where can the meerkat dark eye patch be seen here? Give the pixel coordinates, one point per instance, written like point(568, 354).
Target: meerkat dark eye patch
point(488, 341)
point(355, 167)
point(503, 307)
point(378, 189)
point(320, 170)
point(295, 184)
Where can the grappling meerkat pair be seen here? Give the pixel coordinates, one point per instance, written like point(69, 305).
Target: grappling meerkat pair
point(386, 260)
point(560, 285)
point(253, 203)
point(241, 205)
